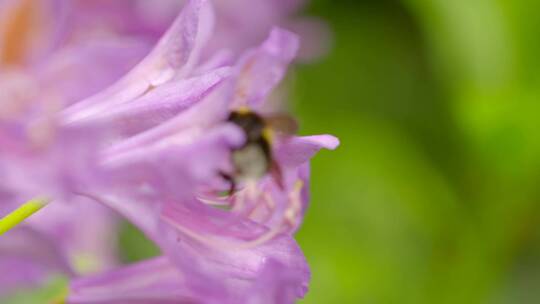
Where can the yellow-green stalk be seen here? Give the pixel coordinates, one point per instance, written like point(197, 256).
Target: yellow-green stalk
point(20, 214)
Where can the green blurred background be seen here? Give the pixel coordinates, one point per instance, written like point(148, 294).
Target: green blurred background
point(433, 196)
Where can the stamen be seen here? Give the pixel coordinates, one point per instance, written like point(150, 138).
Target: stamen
point(268, 203)
point(295, 208)
point(222, 244)
point(289, 221)
point(20, 214)
point(248, 194)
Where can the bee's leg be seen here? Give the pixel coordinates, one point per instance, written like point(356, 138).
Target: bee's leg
point(277, 174)
point(232, 189)
point(230, 179)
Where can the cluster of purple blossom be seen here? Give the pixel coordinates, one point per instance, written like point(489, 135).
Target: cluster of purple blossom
point(103, 109)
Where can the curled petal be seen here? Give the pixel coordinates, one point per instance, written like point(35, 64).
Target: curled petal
point(212, 110)
point(158, 105)
point(295, 151)
point(219, 59)
point(174, 54)
point(262, 69)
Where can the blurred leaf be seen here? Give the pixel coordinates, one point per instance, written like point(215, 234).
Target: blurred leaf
point(134, 245)
point(53, 292)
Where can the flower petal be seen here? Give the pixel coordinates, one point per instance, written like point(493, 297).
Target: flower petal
point(260, 70)
point(277, 284)
point(141, 182)
point(159, 105)
point(206, 244)
point(79, 71)
point(174, 54)
point(295, 151)
point(210, 111)
point(152, 281)
point(83, 230)
point(30, 258)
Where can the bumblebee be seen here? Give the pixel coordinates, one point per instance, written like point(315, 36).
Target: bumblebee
point(254, 159)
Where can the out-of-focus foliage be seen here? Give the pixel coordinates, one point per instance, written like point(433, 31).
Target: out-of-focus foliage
point(434, 194)
point(52, 292)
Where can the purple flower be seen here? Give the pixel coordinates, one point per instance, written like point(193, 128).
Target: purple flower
point(240, 24)
point(158, 281)
point(155, 147)
point(29, 258)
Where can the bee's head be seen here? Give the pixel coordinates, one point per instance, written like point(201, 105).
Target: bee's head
point(250, 122)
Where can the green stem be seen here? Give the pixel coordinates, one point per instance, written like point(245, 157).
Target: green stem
point(20, 214)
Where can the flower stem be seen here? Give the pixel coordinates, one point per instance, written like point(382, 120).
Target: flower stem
point(20, 214)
